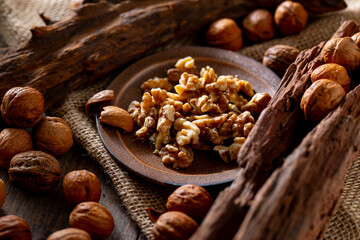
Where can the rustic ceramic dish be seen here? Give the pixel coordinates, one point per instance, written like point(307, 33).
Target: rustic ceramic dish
point(207, 167)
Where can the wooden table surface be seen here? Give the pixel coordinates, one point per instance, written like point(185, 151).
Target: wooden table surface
point(48, 212)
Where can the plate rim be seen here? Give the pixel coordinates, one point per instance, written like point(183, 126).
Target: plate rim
point(171, 53)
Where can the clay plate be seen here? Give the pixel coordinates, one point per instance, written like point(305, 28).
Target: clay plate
point(207, 168)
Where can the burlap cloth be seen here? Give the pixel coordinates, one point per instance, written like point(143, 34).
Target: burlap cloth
point(17, 16)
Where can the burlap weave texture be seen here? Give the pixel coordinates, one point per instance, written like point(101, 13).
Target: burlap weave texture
point(17, 16)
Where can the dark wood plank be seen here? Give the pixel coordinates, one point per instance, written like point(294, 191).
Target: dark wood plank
point(48, 212)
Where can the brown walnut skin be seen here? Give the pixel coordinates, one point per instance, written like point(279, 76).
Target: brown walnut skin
point(174, 225)
point(321, 98)
point(99, 99)
point(70, 234)
point(93, 218)
point(258, 25)
point(22, 107)
point(279, 57)
point(2, 193)
point(290, 17)
point(53, 135)
point(224, 33)
point(356, 38)
point(14, 228)
point(81, 186)
point(12, 142)
point(190, 199)
point(334, 72)
point(342, 51)
point(34, 171)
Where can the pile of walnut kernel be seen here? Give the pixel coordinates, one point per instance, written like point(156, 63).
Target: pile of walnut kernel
point(206, 112)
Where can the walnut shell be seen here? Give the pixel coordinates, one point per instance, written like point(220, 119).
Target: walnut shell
point(81, 186)
point(356, 38)
point(342, 51)
point(70, 234)
point(12, 142)
point(259, 25)
point(22, 107)
point(321, 98)
point(34, 171)
point(224, 33)
point(334, 72)
point(279, 57)
point(2, 193)
point(174, 225)
point(101, 98)
point(191, 199)
point(53, 135)
point(14, 228)
point(290, 17)
point(93, 218)
point(117, 117)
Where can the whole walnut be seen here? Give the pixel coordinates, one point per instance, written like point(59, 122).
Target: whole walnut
point(224, 33)
point(14, 228)
point(12, 142)
point(70, 234)
point(35, 171)
point(279, 57)
point(191, 199)
point(93, 218)
point(259, 25)
point(321, 98)
point(356, 38)
point(53, 135)
point(22, 107)
point(342, 51)
point(2, 193)
point(334, 72)
point(290, 17)
point(174, 225)
point(81, 186)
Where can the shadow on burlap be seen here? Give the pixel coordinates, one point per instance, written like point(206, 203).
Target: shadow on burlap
point(16, 17)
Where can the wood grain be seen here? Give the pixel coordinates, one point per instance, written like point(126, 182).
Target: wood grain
point(98, 38)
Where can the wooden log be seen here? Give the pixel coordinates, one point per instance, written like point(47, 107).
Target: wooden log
point(299, 199)
point(278, 130)
point(100, 37)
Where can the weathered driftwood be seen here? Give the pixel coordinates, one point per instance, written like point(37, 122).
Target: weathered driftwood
point(298, 200)
point(279, 129)
point(100, 37)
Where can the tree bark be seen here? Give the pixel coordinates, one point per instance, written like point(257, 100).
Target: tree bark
point(280, 127)
point(100, 37)
point(299, 199)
